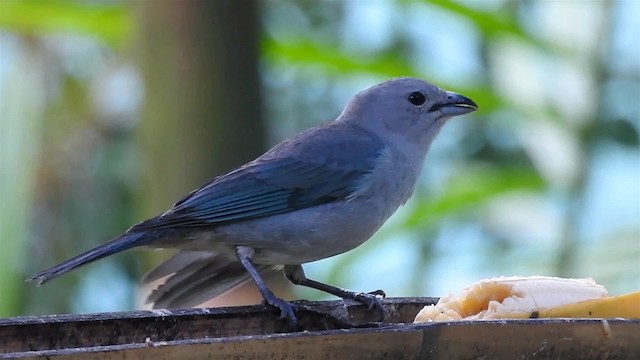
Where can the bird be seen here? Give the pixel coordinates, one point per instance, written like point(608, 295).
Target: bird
point(320, 193)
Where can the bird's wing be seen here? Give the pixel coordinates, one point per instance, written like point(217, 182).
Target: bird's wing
point(314, 168)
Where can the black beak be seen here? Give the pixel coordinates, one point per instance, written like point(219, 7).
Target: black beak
point(454, 104)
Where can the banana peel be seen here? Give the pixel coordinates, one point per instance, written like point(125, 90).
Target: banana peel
point(532, 297)
point(622, 306)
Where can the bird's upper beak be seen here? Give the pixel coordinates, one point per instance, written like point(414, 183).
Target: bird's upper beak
point(454, 104)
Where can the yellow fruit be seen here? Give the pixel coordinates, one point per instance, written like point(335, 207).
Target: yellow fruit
point(531, 297)
point(623, 306)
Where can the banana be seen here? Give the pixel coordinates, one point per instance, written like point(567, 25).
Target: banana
point(622, 306)
point(531, 297)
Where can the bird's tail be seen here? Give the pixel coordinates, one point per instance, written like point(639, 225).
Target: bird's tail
point(195, 277)
point(119, 244)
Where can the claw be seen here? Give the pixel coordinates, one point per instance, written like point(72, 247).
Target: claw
point(372, 300)
point(378, 293)
point(286, 311)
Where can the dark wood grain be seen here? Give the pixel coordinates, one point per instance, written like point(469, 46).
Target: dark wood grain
point(331, 330)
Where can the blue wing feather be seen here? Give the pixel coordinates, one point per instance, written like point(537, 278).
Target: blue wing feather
point(325, 167)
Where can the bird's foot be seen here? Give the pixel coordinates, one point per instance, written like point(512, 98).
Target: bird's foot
point(378, 292)
point(286, 310)
point(372, 300)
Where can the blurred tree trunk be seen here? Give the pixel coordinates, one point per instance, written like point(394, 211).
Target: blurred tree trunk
point(202, 115)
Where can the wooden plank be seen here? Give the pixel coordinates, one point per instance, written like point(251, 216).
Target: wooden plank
point(255, 333)
point(536, 338)
point(34, 333)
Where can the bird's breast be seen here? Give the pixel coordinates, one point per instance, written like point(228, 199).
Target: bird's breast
point(391, 182)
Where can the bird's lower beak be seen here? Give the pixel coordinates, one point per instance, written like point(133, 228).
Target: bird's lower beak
point(454, 105)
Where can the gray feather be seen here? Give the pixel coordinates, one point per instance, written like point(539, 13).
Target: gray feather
point(198, 276)
point(330, 164)
point(177, 262)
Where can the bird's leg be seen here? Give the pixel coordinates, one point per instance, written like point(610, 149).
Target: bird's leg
point(296, 275)
point(244, 254)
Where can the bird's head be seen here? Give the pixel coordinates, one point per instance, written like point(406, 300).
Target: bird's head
point(405, 109)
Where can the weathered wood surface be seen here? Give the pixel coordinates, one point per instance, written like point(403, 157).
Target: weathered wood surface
point(331, 330)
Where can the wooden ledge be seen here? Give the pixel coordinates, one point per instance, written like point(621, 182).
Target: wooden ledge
point(332, 330)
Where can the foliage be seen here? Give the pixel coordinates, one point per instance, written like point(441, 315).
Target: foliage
point(109, 22)
point(311, 60)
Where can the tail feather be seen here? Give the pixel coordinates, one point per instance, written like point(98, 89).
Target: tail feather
point(197, 277)
point(119, 244)
point(178, 262)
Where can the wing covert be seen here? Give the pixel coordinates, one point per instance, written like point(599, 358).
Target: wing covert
point(277, 182)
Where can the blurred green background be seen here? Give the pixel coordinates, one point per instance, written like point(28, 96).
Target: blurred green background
point(110, 111)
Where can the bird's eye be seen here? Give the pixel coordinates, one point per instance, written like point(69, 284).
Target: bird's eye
point(417, 98)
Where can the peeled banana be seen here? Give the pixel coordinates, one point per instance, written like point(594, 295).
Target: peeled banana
point(532, 297)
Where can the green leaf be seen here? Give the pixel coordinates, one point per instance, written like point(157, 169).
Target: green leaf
point(305, 52)
point(621, 131)
point(496, 23)
point(470, 188)
point(109, 22)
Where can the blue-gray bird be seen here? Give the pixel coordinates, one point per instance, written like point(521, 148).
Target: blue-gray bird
point(320, 193)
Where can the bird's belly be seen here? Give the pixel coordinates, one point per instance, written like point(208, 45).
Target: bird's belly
point(301, 236)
